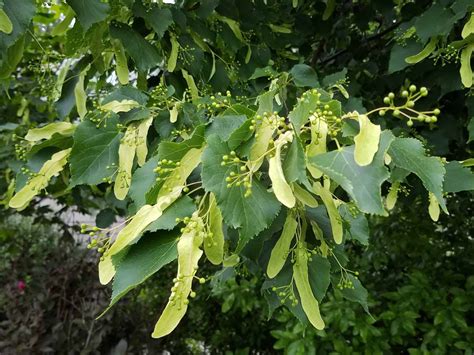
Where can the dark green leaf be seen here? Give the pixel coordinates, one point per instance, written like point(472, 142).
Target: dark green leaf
point(105, 218)
point(89, 11)
point(409, 154)
point(144, 54)
point(458, 178)
point(300, 113)
point(20, 13)
point(143, 180)
point(362, 183)
point(93, 153)
point(176, 150)
point(143, 259)
point(304, 75)
point(319, 270)
point(294, 165)
point(158, 18)
point(357, 226)
point(356, 294)
point(224, 126)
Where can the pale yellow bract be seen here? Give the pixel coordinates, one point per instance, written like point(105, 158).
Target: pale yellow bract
point(282, 247)
point(319, 132)
point(34, 186)
point(189, 253)
point(281, 188)
point(366, 142)
point(46, 132)
point(214, 245)
point(334, 216)
point(308, 301)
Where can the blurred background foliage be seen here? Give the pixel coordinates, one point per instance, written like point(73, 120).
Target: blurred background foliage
point(419, 274)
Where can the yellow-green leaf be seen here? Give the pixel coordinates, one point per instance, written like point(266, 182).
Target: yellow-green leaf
point(231, 260)
point(392, 196)
point(145, 215)
point(468, 27)
point(6, 25)
point(189, 253)
point(319, 132)
point(174, 113)
point(46, 132)
point(304, 196)
point(80, 94)
point(366, 141)
point(63, 26)
point(121, 65)
point(282, 247)
point(430, 47)
point(263, 134)
point(179, 175)
point(330, 6)
point(126, 152)
point(34, 186)
point(466, 70)
point(433, 208)
point(214, 241)
point(334, 216)
point(120, 106)
point(281, 188)
point(191, 85)
point(279, 29)
point(308, 301)
point(173, 58)
point(142, 133)
point(234, 27)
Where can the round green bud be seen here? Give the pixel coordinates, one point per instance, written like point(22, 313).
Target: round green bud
point(410, 123)
point(412, 88)
point(192, 294)
point(202, 280)
point(391, 95)
point(396, 113)
point(436, 111)
point(410, 104)
point(404, 93)
point(386, 100)
point(382, 112)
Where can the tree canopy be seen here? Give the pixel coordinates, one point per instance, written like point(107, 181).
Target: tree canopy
point(257, 136)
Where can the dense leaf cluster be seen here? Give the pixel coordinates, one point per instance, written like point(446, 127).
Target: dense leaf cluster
point(203, 121)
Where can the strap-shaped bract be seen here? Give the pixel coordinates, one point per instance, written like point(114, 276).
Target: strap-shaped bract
point(46, 132)
point(34, 186)
point(366, 142)
point(319, 132)
point(433, 208)
point(282, 247)
point(121, 65)
point(304, 196)
point(300, 274)
point(126, 156)
point(334, 216)
point(263, 135)
point(281, 188)
point(189, 253)
point(214, 239)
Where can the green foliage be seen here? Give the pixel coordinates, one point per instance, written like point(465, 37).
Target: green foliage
point(233, 107)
